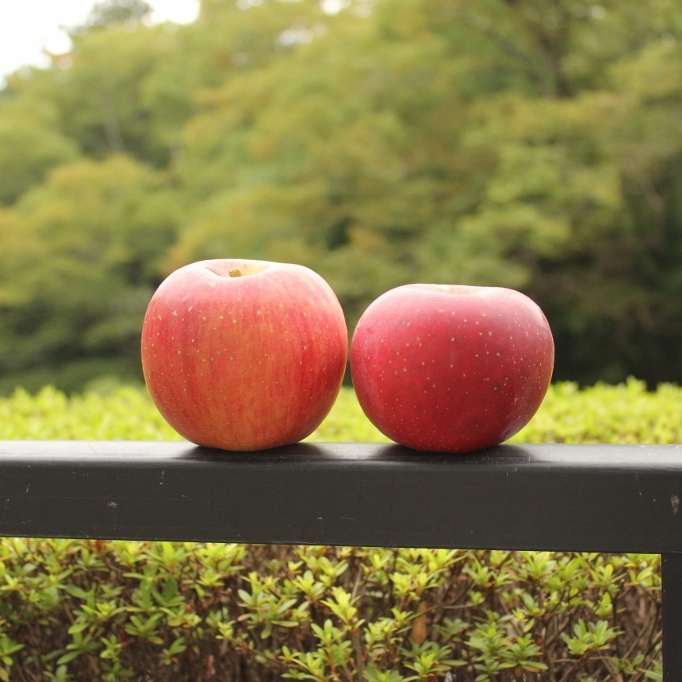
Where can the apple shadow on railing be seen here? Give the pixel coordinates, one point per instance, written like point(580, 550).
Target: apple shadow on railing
point(295, 452)
point(504, 453)
point(358, 452)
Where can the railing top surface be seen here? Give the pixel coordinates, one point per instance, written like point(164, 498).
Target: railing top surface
point(561, 497)
point(127, 452)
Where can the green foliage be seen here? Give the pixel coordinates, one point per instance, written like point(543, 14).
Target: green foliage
point(624, 413)
point(77, 610)
point(113, 610)
point(125, 414)
point(29, 147)
point(111, 12)
point(96, 230)
point(526, 144)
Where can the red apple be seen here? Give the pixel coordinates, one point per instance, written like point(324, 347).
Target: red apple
point(451, 368)
point(244, 355)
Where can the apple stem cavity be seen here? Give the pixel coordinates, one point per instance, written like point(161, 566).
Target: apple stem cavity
point(236, 272)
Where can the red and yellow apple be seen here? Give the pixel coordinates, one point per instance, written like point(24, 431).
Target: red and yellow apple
point(451, 368)
point(244, 355)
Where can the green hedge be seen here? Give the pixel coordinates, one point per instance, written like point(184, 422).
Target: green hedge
point(87, 610)
point(625, 413)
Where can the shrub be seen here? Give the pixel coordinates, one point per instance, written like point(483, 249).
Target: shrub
point(115, 610)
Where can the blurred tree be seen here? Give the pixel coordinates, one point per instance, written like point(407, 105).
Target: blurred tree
point(530, 144)
point(113, 12)
point(30, 145)
point(362, 167)
point(445, 140)
point(78, 266)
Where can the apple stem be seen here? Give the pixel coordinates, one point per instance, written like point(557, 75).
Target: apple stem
point(235, 273)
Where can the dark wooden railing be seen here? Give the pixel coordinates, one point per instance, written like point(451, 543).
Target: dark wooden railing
point(600, 498)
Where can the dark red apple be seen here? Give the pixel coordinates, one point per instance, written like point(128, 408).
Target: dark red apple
point(451, 368)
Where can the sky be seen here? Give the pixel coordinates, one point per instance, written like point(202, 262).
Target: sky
point(27, 27)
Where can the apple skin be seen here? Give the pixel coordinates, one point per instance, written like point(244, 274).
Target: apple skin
point(244, 355)
point(451, 368)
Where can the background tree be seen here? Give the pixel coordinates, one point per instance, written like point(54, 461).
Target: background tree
point(112, 12)
point(77, 256)
point(530, 144)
